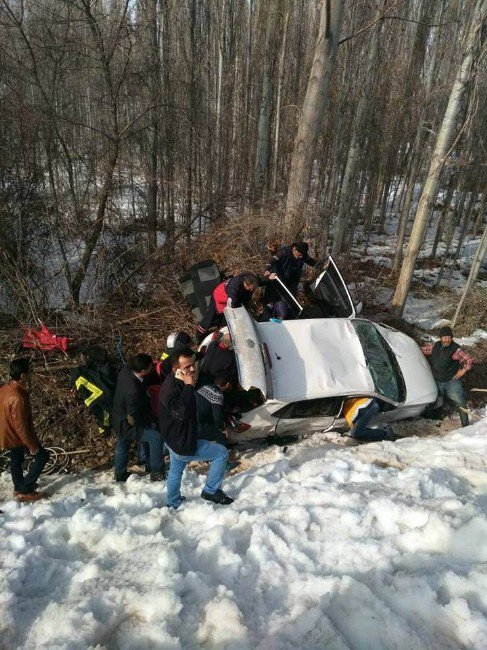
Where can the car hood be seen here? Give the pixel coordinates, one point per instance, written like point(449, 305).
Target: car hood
point(420, 384)
point(315, 358)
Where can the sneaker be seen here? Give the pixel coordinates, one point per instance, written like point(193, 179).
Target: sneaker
point(157, 476)
point(28, 497)
point(219, 497)
point(122, 478)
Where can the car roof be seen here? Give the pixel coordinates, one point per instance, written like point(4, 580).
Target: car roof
point(312, 358)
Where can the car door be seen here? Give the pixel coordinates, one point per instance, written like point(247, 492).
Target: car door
point(331, 294)
point(197, 286)
point(308, 416)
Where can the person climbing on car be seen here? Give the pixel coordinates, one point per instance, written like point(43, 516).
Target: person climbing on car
point(235, 292)
point(449, 363)
point(359, 411)
point(178, 423)
point(287, 264)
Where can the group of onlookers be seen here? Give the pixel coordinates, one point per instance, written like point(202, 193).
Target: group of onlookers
point(180, 404)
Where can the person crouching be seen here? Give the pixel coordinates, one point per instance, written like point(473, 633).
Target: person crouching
point(179, 428)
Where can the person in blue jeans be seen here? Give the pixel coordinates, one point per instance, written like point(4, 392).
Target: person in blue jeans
point(178, 426)
point(449, 363)
point(133, 421)
point(359, 413)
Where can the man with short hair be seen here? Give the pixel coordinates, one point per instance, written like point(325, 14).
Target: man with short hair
point(234, 292)
point(449, 363)
point(133, 420)
point(17, 432)
point(287, 264)
point(179, 428)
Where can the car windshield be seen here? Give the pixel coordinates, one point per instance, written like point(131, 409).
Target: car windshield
point(381, 362)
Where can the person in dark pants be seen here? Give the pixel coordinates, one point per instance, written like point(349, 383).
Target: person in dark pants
point(179, 427)
point(287, 264)
point(449, 363)
point(133, 420)
point(94, 383)
point(234, 292)
point(359, 412)
point(17, 432)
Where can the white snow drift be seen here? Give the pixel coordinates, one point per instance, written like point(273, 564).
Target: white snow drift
point(375, 546)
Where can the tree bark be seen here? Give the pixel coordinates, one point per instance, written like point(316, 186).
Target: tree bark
point(262, 153)
point(472, 277)
point(314, 106)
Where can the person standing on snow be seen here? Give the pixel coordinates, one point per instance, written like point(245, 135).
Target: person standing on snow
point(178, 424)
point(133, 420)
point(17, 432)
point(287, 264)
point(449, 363)
point(234, 292)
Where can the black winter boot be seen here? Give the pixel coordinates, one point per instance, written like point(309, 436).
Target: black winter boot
point(219, 497)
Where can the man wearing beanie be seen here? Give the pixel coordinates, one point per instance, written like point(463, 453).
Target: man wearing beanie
point(287, 264)
point(449, 363)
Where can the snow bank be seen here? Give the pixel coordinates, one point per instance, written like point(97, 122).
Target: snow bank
point(375, 546)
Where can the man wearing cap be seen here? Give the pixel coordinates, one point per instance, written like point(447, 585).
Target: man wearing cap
point(449, 363)
point(287, 264)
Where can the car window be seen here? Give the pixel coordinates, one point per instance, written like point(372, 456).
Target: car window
point(309, 408)
point(381, 362)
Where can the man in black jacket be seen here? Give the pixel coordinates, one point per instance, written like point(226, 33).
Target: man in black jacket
point(449, 363)
point(132, 419)
point(95, 385)
point(235, 292)
point(287, 264)
point(178, 425)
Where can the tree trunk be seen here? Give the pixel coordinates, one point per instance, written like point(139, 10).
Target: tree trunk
point(472, 277)
point(358, 135)
point(440, 153)
point(262, 153)
point(314, 106)
point(277, 121)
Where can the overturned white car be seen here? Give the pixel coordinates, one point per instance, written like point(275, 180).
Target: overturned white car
point(305, 368)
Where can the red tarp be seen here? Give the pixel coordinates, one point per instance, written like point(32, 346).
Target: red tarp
point(44, 339)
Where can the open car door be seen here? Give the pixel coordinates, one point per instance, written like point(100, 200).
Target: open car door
point(330, 293)
point(295, 308)
point(198, 284)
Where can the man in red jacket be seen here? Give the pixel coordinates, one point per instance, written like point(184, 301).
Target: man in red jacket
point(17, 432)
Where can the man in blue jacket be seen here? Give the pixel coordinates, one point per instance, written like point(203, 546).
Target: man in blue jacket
point(178, 426)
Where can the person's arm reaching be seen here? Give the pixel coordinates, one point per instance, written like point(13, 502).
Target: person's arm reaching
point(465, 360)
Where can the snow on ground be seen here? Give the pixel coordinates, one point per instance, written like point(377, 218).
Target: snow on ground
point(372, 546)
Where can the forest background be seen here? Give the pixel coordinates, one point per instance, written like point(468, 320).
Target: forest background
point(138, 136)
